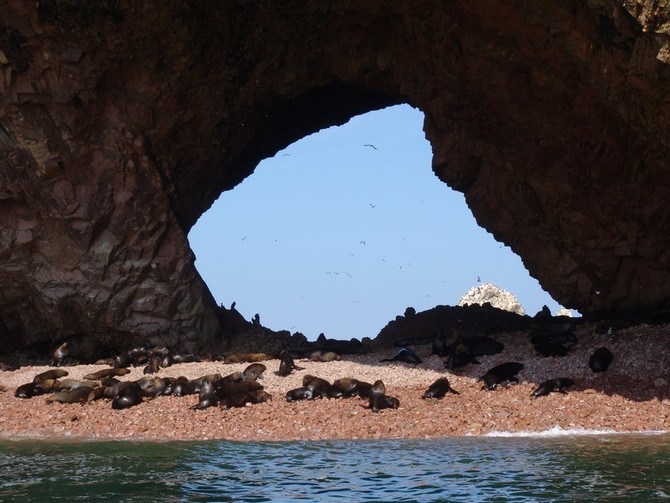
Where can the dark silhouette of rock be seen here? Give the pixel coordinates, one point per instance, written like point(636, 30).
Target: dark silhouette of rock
point(121, 123)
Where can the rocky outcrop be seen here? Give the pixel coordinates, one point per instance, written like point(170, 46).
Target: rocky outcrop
point(494, 295)
point(121, 123)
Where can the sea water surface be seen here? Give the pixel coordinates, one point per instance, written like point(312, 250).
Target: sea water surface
point(564, 467)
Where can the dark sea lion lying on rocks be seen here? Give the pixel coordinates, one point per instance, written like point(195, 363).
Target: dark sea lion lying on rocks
point(559, 384)
point(127, 396)
point(503, 373)
point(302, 393)
point(439, 389)
point(466, 350)
point(31, 389)
point(600, 360)
point(553, 340)
point(405, 355)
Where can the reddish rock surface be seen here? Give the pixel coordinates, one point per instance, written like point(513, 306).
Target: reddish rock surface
point(632, 396)
point(121, 123)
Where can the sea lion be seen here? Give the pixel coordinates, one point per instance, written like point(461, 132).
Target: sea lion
point(405, 355)
point(439, 389)
point(239, 394)
point(247, 357)
point(50, 374)
point(553, 340)
point(70, 384)
point(324, 356)
point(465, 350)
point(559, 384)
point(286, 364)
point(505, 372)
point(186, 388)
point(253, 372)
point(101, 374)
point(122, 360)
point(206, 400)
point(153, 365)
point(29, 390)
point(74, 395)
point(439, 344)
point(320, 387)
point(600, 360)
point(171, 382)
point(303, 393)
point(230, 401)
point(379, 400)
point(60, 355)
point(353, 387)
point(151, 386)
point(96, 393)
point(127, 396)
point(185, 358)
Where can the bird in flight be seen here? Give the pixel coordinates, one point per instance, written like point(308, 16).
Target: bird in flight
point(370, 145)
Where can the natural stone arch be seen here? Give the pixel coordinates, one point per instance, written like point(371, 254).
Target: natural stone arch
point(123, 122)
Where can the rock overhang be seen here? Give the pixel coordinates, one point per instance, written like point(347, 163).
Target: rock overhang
point(122, 123)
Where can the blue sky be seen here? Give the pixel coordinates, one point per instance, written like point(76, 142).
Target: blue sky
point(342, 230)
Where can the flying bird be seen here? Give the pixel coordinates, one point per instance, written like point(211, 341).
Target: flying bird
point(370, 145)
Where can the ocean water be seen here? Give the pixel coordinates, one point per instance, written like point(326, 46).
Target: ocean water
point(557, 466)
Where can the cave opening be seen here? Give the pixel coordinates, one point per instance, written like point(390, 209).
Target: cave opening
point(341, 231)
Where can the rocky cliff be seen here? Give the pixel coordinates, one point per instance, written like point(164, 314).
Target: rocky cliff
point(122, 121)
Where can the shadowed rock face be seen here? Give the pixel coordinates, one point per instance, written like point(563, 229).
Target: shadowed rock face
point(121, 123)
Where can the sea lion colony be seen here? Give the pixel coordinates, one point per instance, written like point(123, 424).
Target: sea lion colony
point(239, 389)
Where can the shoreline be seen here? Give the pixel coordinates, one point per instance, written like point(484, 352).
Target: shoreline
point(632, 397)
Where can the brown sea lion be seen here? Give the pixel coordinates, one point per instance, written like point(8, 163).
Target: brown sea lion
point(253, 372)
point(239, 394)
point(324, 356)
point(379, 400)
point(320, 387)
point(247, 357)
point(152, 386)
point(96, 393)
point(50, 374)
point(75, 395)
point(153, 365)
point(60, 355)
point(559, 384)
point(353, 387)
point(286, 364)
point(69, 384)
point(111, 372)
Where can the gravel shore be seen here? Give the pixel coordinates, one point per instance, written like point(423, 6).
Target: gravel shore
point(632, 396)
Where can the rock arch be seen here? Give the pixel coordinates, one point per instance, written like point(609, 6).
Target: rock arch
point(122, 122)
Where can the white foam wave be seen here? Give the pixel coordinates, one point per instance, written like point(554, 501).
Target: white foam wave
point(557, 431)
